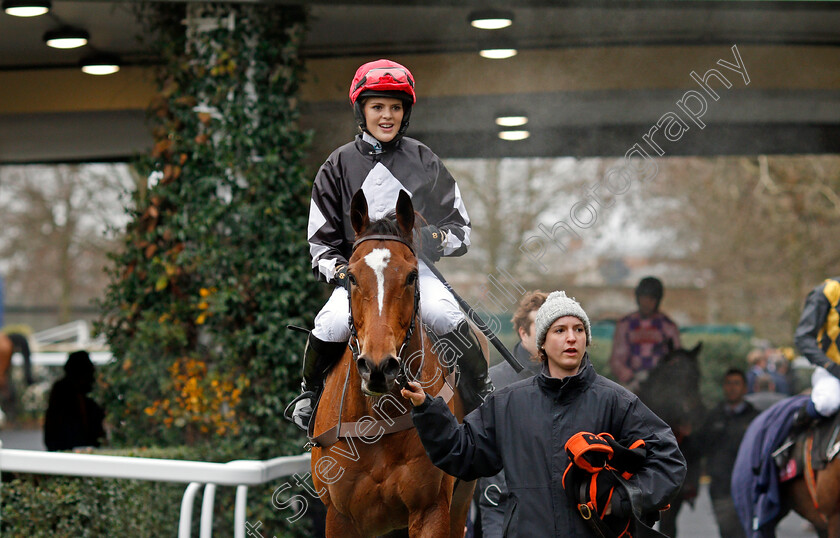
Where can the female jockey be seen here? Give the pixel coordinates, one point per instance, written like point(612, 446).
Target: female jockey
point(382, 162)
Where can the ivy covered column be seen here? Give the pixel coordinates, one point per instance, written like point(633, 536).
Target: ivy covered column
point(215, 262)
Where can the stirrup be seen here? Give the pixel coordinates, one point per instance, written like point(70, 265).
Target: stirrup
point(287, 413)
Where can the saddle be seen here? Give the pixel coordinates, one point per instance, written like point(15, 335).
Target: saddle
point(809, 451)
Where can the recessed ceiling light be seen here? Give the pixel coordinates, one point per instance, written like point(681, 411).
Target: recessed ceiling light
point(497, 53)
point(514, 134)
point(511, 120)
point(66, 38)
point(101, 64)
point(25, 8)
point(491, 19)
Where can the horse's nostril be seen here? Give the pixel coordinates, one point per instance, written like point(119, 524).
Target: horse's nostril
point(363, 365)
point(391, 367)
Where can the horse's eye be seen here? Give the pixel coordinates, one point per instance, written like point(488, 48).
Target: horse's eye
point(411, 278)
point(351, 278)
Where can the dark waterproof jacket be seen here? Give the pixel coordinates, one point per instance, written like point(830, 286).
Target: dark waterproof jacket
point(719, 440)
point(493, 491)
point(407, 165)
point(523, 428)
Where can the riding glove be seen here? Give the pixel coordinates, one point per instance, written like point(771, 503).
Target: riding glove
point(342, 277)
point(431, 239)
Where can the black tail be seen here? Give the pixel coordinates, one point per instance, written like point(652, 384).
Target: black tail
point(21, 344)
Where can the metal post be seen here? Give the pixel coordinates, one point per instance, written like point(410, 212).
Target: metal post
point(207, 511)
point(185, 522)
point(239, 512)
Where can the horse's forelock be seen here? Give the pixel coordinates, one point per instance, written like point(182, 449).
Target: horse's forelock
point(387, 225)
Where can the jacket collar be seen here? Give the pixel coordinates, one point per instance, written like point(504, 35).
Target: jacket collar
point(557, 388)
point(369, 145)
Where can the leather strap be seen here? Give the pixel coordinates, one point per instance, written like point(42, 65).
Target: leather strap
point(366, 428)
point(383, 237)
point(810, 475)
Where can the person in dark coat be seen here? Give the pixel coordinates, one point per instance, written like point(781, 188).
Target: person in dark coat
point(73, 418)
point(524, 429)
point(492, 491)
point(721, 436)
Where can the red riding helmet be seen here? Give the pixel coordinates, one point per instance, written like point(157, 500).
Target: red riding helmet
point(383, 78)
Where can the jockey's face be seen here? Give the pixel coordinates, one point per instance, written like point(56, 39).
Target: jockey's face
point(647, 304)
point(565, 344)
point(383, 117)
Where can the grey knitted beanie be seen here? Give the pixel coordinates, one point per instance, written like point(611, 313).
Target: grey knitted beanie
point(556, 306)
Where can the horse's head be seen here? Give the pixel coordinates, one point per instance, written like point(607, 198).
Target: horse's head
point(672, 389)
point(682, 365)
point(384, 293)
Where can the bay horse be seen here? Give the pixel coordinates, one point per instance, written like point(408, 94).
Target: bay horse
point(672, 391)
point(368, 464)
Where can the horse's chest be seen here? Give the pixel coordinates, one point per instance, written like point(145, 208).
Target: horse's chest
point(379, 471)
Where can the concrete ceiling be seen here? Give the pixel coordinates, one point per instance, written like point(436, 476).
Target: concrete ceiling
point(593, 77)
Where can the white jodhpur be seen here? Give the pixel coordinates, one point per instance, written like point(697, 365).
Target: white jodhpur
point(825, 392)
point(438, 307)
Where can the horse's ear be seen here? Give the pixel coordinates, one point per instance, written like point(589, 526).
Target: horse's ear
point(696, 350)
point(359, 212)
point(405, 213)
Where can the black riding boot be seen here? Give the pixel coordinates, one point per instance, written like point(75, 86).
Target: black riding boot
point(318, 358)
point(474, 384)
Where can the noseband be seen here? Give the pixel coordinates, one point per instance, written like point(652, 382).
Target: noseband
point(355, 348)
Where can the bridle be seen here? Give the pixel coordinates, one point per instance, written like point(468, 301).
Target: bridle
point(353, 343)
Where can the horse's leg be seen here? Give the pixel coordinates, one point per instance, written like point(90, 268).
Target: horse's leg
point(339, 526)
point(432, 522)
point(460, 507)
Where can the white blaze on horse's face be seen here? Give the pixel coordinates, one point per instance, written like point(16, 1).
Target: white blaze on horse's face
point(377, 260)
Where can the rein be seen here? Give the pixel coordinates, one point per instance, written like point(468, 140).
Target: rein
point(367, 427)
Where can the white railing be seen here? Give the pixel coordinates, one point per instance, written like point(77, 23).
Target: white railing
point(76, 333)
point(58, 358)
point(239, 473)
